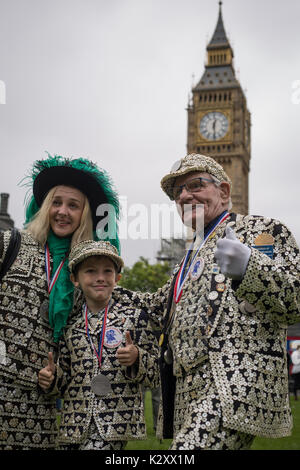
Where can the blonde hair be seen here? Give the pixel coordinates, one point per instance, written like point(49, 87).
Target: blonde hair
point(39, 226)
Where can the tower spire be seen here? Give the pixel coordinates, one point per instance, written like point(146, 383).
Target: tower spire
point(219, 123)
point(219, 38)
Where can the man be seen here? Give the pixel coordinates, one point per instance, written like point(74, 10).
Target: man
point(234, 295)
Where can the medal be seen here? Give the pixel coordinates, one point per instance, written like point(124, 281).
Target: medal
point(100, 385)
point(52, 281)
point(168, 356)
point(2, 353)
point(44, 309)
point(247, 308)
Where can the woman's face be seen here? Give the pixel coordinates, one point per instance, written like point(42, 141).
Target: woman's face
point(66, 210)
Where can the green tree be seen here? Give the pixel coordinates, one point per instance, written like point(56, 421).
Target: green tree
point(145, 277)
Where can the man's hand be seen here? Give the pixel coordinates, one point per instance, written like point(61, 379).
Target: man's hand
point(232, 256)
point(46, 375)
point(128, 355)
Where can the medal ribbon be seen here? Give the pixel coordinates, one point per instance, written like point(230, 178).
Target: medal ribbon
point(52, 281)
point(180, 280)
point(102, 334)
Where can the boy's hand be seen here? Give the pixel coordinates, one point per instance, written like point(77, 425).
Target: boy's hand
point(46, 375)
point(127, 356)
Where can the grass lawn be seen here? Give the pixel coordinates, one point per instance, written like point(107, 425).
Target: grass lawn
point(286, 443)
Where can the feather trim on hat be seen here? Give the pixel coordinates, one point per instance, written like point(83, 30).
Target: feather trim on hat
point(101, 177)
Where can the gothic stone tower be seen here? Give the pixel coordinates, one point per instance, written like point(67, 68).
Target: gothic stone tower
point(218, 119)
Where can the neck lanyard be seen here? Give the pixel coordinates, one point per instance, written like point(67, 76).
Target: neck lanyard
point(102, 334)
point(52, 281)
point(181, 278)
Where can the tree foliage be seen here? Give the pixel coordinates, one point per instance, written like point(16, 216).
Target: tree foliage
point(145, 277)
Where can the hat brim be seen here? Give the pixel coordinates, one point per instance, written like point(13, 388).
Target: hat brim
point(95, 252)
point(68, 176)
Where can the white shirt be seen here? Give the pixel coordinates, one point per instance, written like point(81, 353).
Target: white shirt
point(295, 356)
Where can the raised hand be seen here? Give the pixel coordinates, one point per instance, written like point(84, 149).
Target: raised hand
point(127, 355)
point(232, 256)
point(46, 375)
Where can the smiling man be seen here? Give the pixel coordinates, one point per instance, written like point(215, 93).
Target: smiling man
point(200, 198)
point(224, 317)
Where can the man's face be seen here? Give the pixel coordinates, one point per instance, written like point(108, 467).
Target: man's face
point(206, 203)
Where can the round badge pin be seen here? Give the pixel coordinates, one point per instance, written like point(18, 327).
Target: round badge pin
point(220, 278)
point(213, 295)
point(113, 337)
point(197, 269)
point(220, 287)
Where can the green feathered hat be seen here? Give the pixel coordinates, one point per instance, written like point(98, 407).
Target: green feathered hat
point(84, 175)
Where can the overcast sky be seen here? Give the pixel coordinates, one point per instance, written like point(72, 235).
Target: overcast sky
point(109, 80)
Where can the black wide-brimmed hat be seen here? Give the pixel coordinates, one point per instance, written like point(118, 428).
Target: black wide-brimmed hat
point(68, 176)
point(79, 173)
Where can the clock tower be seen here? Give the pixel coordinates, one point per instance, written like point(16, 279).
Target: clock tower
point(218, 119)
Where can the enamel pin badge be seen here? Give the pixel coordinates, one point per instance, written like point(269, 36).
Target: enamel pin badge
point(265, 244)
point(197, 269)
point(113, 337)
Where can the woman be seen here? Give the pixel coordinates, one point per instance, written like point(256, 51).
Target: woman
point(36, 294)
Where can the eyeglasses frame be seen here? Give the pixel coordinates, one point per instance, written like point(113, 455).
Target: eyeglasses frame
point(181, 186)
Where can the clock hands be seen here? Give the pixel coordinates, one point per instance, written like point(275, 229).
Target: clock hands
point(214, 128)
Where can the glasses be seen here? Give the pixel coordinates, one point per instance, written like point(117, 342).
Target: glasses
point(192, 186)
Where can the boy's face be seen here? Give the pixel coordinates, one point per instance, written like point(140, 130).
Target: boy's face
point(97, 277)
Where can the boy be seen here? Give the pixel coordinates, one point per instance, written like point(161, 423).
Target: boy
point(108, 352)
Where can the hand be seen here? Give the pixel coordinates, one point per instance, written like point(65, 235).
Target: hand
point(232, 256)
point(46, 375)
point(128, 355)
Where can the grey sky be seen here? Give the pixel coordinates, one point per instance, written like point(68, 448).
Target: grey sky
point(109, 80)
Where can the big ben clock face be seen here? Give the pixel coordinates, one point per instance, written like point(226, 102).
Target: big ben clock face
point(214, 125)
